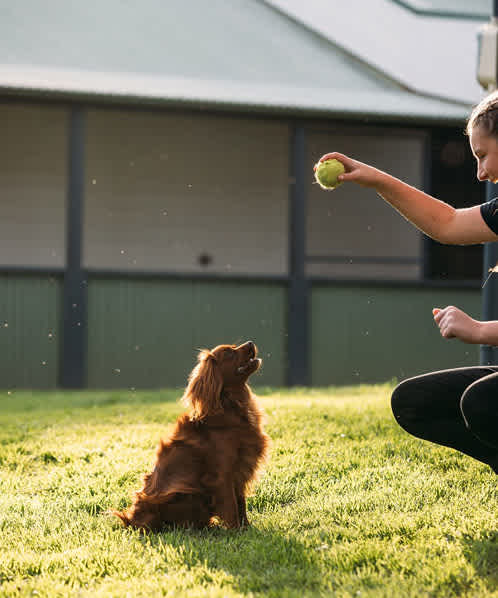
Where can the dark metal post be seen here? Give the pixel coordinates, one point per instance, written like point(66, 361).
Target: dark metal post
point(74, 335)
point(298, 294)
point(490, 292)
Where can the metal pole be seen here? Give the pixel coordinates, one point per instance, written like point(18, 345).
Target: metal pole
point(74, 296)
point(490, 291)
point(298, 294)
point(490, 259)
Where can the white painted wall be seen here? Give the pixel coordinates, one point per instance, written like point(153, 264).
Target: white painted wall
point(163, 189)
point(32, 185)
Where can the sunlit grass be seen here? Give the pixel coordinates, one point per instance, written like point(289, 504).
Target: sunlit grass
point(349, 504)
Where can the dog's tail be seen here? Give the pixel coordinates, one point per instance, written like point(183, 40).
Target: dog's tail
point(142, 503)
point(146, 508)
point(123, 515)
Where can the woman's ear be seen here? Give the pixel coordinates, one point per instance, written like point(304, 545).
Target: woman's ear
point(203, 392)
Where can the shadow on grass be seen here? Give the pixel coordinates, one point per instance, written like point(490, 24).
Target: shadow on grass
point(258, 561)
point(482, 553)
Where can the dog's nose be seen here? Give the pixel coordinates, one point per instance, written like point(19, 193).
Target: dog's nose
point(249, 345)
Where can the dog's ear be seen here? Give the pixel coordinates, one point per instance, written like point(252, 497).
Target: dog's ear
point(203, 392)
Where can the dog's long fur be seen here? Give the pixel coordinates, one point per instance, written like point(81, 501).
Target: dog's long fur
point(204, 468)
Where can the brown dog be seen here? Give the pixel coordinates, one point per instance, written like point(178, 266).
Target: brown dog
point(204, 468)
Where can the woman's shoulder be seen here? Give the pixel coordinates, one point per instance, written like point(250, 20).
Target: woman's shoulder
point(489, 213)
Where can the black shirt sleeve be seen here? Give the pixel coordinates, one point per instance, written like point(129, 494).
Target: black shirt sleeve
point(489, 213)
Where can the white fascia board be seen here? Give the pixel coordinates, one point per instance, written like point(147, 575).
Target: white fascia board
point(435, 56)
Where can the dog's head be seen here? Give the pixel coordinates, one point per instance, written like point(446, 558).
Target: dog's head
point(224, 367)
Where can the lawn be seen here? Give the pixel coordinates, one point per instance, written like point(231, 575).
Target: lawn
point(348, 505)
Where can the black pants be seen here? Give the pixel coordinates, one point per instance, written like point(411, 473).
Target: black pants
point(456, 408)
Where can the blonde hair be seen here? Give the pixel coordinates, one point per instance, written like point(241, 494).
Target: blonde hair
point(485, 116)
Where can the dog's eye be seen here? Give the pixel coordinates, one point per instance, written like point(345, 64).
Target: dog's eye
point(229, 354)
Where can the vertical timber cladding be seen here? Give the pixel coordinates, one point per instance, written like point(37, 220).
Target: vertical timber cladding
point(174, 194)
point(364, 334)
point(29, 330)
point(145, 333)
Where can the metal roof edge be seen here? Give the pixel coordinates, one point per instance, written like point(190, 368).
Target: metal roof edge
point(110, 88)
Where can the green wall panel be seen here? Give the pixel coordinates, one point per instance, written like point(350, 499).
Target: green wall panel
point(145, 333)
point(29, 331)
point(363, 334)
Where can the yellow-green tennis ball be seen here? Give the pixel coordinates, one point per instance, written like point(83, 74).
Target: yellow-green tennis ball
point(326, 173)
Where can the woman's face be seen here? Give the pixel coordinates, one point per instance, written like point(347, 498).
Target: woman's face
point(485, 150)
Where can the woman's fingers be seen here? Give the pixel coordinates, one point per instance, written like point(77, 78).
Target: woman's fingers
point(334, 156)
point(355, 171)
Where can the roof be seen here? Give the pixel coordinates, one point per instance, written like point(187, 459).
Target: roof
point(241, 54)
point(433, 55)
point(474, 9)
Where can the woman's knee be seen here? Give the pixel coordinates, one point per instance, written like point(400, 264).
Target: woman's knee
point(479, 418)
point(403, 406)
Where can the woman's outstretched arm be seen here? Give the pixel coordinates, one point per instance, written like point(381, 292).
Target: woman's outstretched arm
point(435, 218)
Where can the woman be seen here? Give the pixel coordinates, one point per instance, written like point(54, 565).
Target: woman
point(459, 407)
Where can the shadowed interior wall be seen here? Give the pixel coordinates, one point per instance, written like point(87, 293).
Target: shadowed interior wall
point(368, 334)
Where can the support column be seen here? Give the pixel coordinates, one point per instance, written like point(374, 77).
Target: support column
point(298, 321)
point(74, 302)
point(490, 291)
point(487, 75)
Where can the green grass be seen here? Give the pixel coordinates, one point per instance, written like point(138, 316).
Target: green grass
point(349, 504)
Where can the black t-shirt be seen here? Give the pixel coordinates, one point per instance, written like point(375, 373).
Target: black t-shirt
point(489, 212)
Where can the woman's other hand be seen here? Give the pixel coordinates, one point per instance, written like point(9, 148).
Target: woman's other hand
point(455, 323)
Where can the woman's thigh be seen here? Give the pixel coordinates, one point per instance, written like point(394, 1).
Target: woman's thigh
point(436, 394)
point(428, 406)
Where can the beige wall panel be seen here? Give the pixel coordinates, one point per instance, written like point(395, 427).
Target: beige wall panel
point(164, 189)
point(32, 185)
point(353, 221)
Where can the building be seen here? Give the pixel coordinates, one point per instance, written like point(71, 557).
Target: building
point(156, 188)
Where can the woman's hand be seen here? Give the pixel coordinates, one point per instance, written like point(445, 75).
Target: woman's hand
point(454, 323)
point(357, 172)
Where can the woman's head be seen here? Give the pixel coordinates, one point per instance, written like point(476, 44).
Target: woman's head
point(485, 116)
point(482, 129)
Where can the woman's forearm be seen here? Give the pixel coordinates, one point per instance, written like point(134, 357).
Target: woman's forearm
point(455, 323)
point(432, 216)
point(437, 219)
point(488, 333)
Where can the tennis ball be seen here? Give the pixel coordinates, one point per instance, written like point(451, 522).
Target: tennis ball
point(326, 173)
